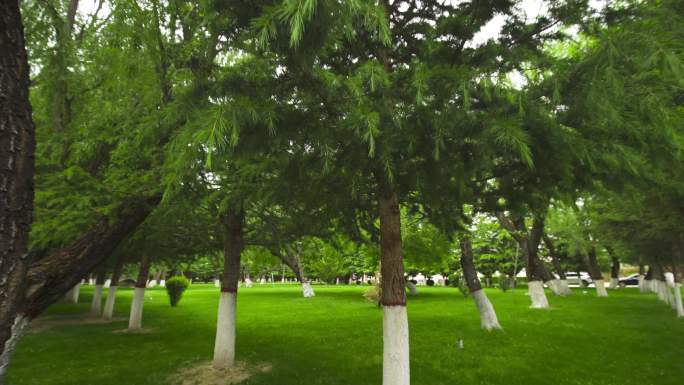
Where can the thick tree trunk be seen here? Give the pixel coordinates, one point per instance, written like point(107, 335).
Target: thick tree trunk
point(17, 146)
point(96, 304)
point(488, 319)
point(396, 369)
point(52, 276)
point(135, 319)
point(224, 346)
point(113, 286)
point(595, 273)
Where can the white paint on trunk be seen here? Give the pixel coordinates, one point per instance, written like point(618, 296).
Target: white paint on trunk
point(162, 283)
point(600, 288)
point(395, 358)
point(263, 280)
point(224, 346)
point(108, 283)
point(109, 304)
point(648, 286)
point(488, 319)
point(91, 281)
point(642, 285)
point(678, 299)
point(72, 295)
point(565, 288)
point(96, 304)
point(18, 329)
point(217, 283)
point(152, 283)
point(537, 295)
point(660, 290)
point(554, 285)
point(307, 290)
point(413, 290)
point(248, 283)
point(135, 320)
point(614, 283)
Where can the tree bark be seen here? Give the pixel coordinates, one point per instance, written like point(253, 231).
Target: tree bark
point(17, 146)
point(233, 244)
point(536, 273)
point(396, 370)
point(113, 287)
point(96, 304)
point(135, 319)
point(488, 319)
point(595, 273)
point(52, 276)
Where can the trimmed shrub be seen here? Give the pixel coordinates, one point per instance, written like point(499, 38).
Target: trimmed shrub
point(505, 283)
point(175, 286)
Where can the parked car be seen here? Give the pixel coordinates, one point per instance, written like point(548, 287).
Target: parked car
point(582, 279)
point(632, 280)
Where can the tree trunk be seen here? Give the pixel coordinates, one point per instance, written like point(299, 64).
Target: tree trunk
point(614, 270)
point(96, 304)
point(113, 286)
point(642, 277)
point(291, 258)
point(393, 296)
point(562, 282)
point(224, 346)
point(595, 273)
point(52, 276)
point(17, 146)
point(135, 320)
point(488, 319)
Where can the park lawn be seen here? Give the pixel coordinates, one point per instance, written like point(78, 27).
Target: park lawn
point(336, 338)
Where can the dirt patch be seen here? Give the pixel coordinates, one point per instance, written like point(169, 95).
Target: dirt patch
point(203, 373)
point(42, 324)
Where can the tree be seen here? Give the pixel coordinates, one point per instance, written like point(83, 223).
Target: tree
point(17, 142)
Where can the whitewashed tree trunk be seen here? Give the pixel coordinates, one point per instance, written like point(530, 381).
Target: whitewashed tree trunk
point(248, 283)
point(162, 283)
point(73, 294)
point(614, 283)
point(152, 283)
point(600, 288)
point(395, 362)
point(659, 288)
point(488, 319)
point(537, 295)
point(108, 283)
point(135, 320)
point(642, 284)
point(217, 283)
point(555, 287)
point(678, 299)
point(413, 290)
point(307, 290)
point(565, 288)
point(96, 304)
point(224, 346)
point(18, 329)
point(109, 304)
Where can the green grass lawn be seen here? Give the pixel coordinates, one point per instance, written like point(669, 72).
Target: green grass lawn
point(336, 338)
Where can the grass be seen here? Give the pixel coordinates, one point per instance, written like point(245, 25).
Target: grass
point(336, 338)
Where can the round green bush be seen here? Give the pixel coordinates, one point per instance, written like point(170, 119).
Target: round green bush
point(175, 286)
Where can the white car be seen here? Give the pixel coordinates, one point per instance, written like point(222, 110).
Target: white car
point(582, 279)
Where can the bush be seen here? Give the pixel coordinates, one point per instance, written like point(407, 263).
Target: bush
point(505, 283)
point(175, 286)
point(430, 282)
point(454, 279)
